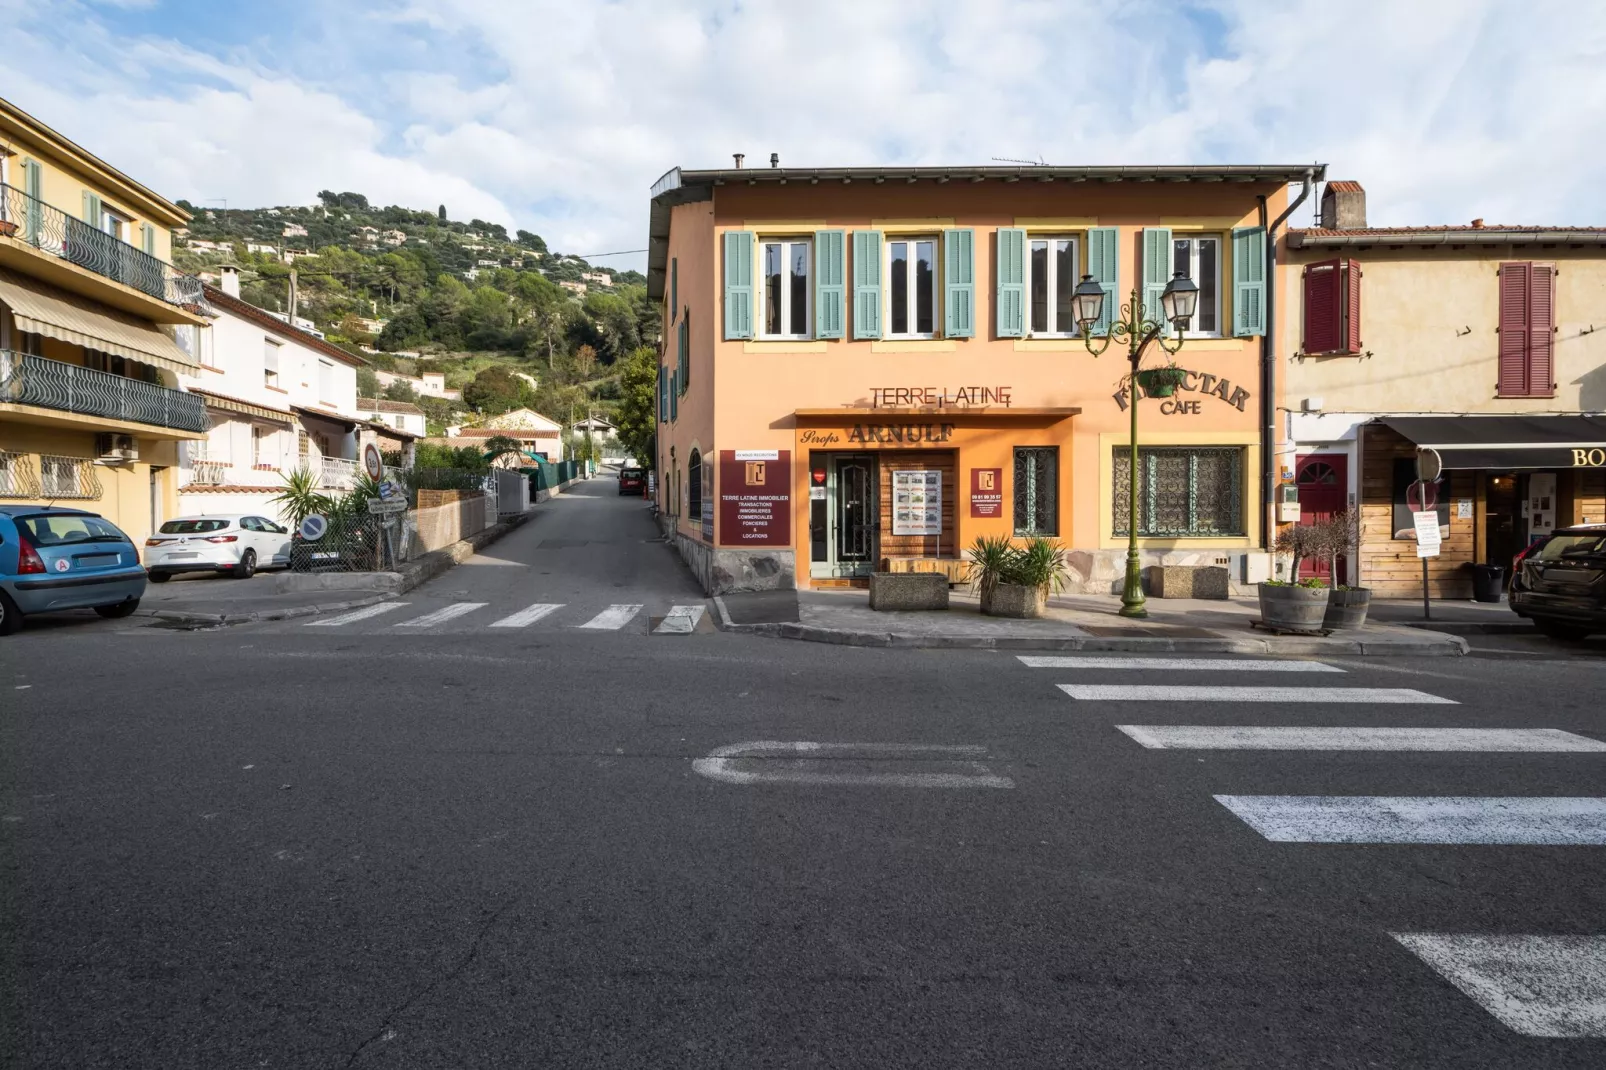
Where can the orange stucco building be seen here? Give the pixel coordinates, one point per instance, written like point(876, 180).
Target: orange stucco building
point(866, 369)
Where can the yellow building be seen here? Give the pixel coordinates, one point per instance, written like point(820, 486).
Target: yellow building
point(95, 326)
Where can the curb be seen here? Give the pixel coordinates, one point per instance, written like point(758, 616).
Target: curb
point(217, 620)
point(1474, 627)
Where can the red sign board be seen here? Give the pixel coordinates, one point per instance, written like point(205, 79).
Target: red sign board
point(986, 492)
point(755, 497)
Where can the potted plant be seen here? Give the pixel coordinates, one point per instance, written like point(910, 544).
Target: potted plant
point(1016, 581)
point(1161, 382)
point(298, 499)
point(8, 229)
point(1295, 605)
point(1340, 535)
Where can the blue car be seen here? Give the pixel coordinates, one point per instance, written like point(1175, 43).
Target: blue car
point(54, 559)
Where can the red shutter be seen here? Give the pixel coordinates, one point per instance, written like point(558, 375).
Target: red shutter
point(1515, 279)
point(1322, 308)
point(1352, 302)
point(1541, 336)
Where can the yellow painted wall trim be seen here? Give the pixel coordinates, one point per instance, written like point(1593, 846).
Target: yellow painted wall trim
point(915, 345)
point(1208, 223)
point(911, 225)
point(1080, 222)
point(783, 347)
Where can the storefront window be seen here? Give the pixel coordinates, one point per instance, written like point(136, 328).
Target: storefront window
point(1037, 491)
point(1181, 491)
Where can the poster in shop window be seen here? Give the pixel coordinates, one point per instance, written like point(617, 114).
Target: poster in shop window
point(755, 497)
point(917, 502)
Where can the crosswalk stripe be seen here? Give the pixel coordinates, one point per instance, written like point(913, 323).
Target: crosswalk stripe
point(1539, 986)
point(612, 618)
point(1185, 693)
point(525, 617)
point(356, 615)
point(1493, 740)
point(1046, 661)
point(1422, 819)
point(680, 620)
point(441, 616)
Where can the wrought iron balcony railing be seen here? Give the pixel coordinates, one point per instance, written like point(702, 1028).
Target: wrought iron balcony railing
point(54, 384)
point(52, 231)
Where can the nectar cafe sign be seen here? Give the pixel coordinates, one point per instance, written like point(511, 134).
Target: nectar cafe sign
point(1202, 382)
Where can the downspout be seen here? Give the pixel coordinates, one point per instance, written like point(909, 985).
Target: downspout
point(1268, 369)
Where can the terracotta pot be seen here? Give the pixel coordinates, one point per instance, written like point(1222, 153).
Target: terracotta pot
point(1347, 609)
point(8, 229)
point(1293, 609)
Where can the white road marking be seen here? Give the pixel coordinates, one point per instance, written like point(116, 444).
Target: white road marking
point(1539, 986)
point(1054, 661)
point(1186, 693)
point(441, 616)
point(1422, 819)
point(1494, 740)
point(785, 756)
point(680, 620)
point(526, 617)
point(613, 618)
point(355, 615)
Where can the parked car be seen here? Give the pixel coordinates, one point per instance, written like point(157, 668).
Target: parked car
point(631, 481)
point(234, 543)
point(1559, 582)
point(53, 559)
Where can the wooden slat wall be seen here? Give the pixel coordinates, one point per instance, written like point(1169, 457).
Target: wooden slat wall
point(1588, 487)
point(1390, 566)
point(918, 545)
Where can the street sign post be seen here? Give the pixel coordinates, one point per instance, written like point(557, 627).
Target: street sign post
point(1428, 539)
point(382, 505)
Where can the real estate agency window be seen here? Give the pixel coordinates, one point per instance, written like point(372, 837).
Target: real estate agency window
point(1037, 471)
point(270, 363)
point(1182, 491)
point(1199, 258)
point(1051, 275)
point(911, 287)
point(786, 263)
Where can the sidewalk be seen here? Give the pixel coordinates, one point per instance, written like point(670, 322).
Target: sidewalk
point(1073, 622)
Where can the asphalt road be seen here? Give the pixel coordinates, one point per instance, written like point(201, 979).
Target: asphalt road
point(457, 844)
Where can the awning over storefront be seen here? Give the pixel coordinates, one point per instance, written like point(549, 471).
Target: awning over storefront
point(42, 309)
point(245, 408)
point(1506, 442)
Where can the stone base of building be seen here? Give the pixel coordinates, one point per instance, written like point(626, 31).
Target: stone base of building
point(725, 571)
point(1104, 571)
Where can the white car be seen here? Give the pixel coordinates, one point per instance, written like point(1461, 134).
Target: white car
point(235, 543)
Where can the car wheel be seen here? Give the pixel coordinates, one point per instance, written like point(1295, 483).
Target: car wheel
point(247, 566)
point(121, 609)
point(10, 619)
point(1555, 629)
point(160, 577)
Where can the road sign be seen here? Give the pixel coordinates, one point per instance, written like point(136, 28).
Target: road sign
point(372, 462)
point(387, 490)
point(1428, 464)
point(380, 505)
point(313, 527)
point(1427, 534)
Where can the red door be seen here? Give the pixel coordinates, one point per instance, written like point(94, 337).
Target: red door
point(1323, 481)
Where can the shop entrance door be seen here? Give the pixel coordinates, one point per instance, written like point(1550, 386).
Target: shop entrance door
point(1323, 482)
point(844, 518)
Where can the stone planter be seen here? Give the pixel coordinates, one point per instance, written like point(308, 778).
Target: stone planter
point(1014, 600)
point(1293, 609)
point(1347, 608)
point(908, 590)
point(1190, 581)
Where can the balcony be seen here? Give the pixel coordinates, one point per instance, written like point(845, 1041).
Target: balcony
point(53, 384)
point(338, 473)
point(48, 230)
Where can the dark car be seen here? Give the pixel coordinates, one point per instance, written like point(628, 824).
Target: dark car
point(631, 481)
point(1560, 582)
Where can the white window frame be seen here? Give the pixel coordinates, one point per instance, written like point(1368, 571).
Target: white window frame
point(326, 379)
point(1193, 273)
point(271, 374)
point(1054, 329)
point(911, 298)
point(115, 223)
point(785, 241)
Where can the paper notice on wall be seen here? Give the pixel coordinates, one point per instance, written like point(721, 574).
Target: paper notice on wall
point(1428, 539)
point(1463, 508)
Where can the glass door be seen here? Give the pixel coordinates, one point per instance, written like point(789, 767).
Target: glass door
point(844, 516)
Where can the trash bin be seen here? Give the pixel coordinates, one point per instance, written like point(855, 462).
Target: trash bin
point(1487, 582)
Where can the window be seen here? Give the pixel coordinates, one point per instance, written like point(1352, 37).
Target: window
point(67, 477)
point(1333, 307)
point(16, 476)
point(58, 529)
point(1200, 259)
point(786, 287)
point(193, 527)
point(912, 288)
point(270, 363)
point(1051, 274)
point(1527, 331)
point(326, 380)
point(694, 487)
point(261, 443)
point(1037, 491)
point(114, 223)
point(1182, 491)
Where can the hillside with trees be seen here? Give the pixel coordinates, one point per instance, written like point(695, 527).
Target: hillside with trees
point(415, 291)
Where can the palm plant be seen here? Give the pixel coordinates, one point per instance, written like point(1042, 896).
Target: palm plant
point(1039, 564)
point(990, 558)
point(499, 446)
point(300, 497)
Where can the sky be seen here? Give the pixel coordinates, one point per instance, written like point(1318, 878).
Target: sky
point(557, 116)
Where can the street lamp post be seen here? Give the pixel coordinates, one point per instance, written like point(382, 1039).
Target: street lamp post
point(1177, 303)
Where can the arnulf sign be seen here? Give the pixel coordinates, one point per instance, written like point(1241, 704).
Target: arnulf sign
point(1204, 383)
point(860, 435)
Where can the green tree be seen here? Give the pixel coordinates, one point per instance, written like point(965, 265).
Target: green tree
point(494, 390)
point(401, 390)
point(638, 404)
point(442, 213)
point(499, 446)
point(367, 383)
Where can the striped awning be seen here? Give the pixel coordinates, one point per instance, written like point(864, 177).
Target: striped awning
point(41, 309)
point(245, 408)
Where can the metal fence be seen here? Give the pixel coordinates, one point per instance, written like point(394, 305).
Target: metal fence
point(52, 384)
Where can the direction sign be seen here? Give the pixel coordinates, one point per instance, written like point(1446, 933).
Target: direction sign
point(380, 505)
point(1428, 541)
point(387, 490)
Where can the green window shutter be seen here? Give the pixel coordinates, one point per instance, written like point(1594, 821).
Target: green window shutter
point(867, 284)
point(683, 356)
point(830, 291)
point(32, 182)
point(674, 397)
point(1102, 264)
point(1248, 281)
point(147, 238)
point(92, 209)
point(1011, 282)
point(674, 288)
point(663, 394)
point(1156, 270)
point(959, 283)
point(738, 284)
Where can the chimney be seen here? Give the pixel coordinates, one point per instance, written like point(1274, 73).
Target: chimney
point(775, 159)
point(738, 157)
point(230, 283)
point(1343, 206)
point(1477, 224)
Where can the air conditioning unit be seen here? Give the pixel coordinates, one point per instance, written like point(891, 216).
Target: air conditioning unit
point(115, 449)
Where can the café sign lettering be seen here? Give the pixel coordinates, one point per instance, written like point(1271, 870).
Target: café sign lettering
point(1204, 383)
point(937, 397)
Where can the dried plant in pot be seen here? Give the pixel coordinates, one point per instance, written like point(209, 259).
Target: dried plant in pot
point(1340, 536)
point(1295, 605)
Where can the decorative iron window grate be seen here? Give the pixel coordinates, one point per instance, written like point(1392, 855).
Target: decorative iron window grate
point(67, 477)
point(1182, 491)
point(1037, 491)
point(17, 479)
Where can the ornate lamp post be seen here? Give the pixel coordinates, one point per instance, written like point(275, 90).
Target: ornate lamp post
point(1177, 303)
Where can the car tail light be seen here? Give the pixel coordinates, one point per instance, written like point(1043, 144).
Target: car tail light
point(222, 538)
point(1516, 562)
point(28, 559)
point(154, 542)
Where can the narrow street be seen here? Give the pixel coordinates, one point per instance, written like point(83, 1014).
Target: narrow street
point(474, 831)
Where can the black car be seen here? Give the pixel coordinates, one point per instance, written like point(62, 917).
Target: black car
point(1560, 582)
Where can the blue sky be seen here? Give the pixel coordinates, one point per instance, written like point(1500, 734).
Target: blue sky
point(558, 116)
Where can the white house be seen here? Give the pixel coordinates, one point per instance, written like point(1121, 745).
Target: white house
point(294, 230)
point(601, 278)
point(394, 237)
point(577, 288)
point(265, 250)
point(430, 384)
point(402, 415)
point(277, 399)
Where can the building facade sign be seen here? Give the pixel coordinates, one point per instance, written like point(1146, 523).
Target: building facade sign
point(916, 502)
point(892, 397)
point(986, 492)
point(1202, 382)
point(755, 497)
